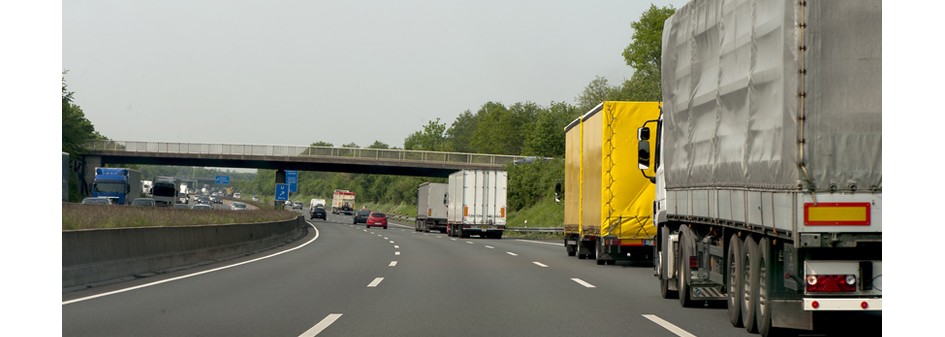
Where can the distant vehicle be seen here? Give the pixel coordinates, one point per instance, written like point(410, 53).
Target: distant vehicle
point(215, 199)
point(183, 198)
point(376, 219)
point(144, 202)
point(146, 187)
point(238, 206)
point(297, 205)
point(361, 216)
point(203, 199)
point(431, 207)
point(183, 206)
point(202, 206)
point(319, 212)
point(237, 195)
point(314, 202)
point(123, 184)
point(476, 203)
point(164, 191)
point(97, 201)
point(342, 202)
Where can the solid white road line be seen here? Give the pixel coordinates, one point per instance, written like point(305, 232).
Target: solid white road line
point(583, 283)
point(375, 282)
point(470, 242)
point(315, 330)
point(392, 263)
point(194, 274)
point(490, 247)
point(540, 264)
point(511, 253)
point(669, 326)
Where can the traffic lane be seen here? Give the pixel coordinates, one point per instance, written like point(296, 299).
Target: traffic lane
point(633, 289)
point(279, 296)
point(445, 287)
point(642, 287)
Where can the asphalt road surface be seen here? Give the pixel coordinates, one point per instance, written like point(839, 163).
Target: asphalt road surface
point(346, 280)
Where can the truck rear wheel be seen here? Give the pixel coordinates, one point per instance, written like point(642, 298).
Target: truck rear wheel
point(683, 275)
point(765, 286)
point(734, 280)
point(749, 294)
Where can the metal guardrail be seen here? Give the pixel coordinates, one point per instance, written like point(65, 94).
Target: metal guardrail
point(289, 151)
point(536, 229)
point(512, 229)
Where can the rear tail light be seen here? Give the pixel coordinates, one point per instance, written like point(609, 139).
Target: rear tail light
point(831, 283)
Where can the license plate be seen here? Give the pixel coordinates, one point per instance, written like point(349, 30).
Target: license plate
point(484, 227)
point(570, 242)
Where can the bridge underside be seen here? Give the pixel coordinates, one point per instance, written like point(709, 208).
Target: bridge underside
point(303, 164)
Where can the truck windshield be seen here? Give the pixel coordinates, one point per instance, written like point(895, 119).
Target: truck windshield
point(109, 187)
point(163, 190)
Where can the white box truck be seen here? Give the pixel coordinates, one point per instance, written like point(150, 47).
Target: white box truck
point(476, 203)
point(767, 161)
point(431, 207)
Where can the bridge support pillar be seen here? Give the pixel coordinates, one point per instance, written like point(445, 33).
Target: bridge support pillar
point(88, 173)
point(280, 179)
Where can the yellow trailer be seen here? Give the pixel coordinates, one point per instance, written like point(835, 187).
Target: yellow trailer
point(607, 202)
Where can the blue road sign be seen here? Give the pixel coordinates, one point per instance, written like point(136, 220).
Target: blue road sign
point(282, 192)
point(223, 180)
point(292, 178)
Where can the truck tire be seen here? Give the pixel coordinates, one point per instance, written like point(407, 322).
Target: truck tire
point(683, 272)
point(734, 280)
point(572, 250)
point(749, 294)
point(765, 286)
point(600, 248)
point(662, 255)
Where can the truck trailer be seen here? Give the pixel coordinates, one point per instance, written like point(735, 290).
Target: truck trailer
point(342, 202)
point(431, 207)
point(767, 161)
point(122, 185)
point(607, 203)
point(476, 201)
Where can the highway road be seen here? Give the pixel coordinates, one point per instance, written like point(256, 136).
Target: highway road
point(346, 280)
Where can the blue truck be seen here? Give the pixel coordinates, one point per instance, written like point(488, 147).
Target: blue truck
point(122, 185)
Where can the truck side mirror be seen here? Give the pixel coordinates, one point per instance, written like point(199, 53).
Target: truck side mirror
point(559, 192)
point(643, 148)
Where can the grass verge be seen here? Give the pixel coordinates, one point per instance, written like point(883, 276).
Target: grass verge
point(80, 217)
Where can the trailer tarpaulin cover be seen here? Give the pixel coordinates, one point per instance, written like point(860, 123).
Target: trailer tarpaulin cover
point(757, 91)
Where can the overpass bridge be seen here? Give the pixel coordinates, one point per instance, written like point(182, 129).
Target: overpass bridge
point(289, 157)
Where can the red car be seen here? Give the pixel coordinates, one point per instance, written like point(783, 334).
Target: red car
point(377, 219)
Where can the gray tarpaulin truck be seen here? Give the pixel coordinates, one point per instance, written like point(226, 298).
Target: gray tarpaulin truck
point(767, 161)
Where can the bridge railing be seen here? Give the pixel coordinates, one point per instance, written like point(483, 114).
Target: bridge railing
point(288, 151)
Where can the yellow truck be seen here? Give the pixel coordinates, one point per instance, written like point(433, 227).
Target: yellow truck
point(607, 202)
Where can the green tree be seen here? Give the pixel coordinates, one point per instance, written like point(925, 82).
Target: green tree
point(431, 138)
point(322, 143)
point(459, 135)
point(77, 131)
point(643, 55)
point(594, 93)
point(352, 145)
point(378, 145)
point(546, 138)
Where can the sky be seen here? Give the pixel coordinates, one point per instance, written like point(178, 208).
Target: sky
point(297, 72)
